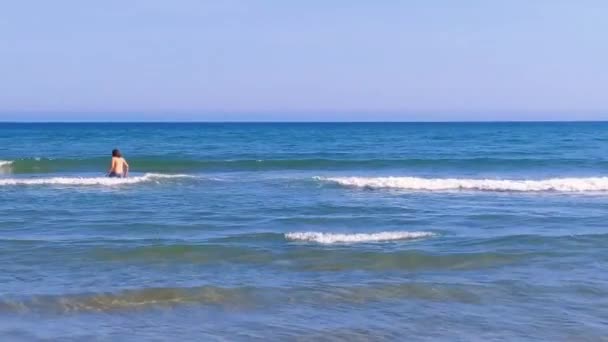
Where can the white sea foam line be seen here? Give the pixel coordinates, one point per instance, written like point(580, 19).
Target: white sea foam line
point(329, 238)
point(5, 162)
point(148, 177)
point(438, 184)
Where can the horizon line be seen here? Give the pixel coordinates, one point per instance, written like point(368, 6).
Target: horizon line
point(295, 121)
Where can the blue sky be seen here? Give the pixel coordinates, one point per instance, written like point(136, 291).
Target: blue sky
point(303, 60)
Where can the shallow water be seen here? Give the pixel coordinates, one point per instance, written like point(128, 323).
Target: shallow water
point(304, 231)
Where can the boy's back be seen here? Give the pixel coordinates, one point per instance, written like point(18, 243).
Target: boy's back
point(118, 164)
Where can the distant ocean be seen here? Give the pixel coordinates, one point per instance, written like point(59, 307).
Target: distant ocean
point(345, 232)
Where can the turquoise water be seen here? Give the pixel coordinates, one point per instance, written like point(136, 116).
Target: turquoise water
point(305, 231)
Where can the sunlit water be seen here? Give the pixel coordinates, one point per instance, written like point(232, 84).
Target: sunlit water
point(304, 231)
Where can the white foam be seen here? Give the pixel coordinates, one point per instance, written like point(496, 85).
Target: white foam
point(106, 181)
point(329, 238)
point(443, 184)
point(4, 163)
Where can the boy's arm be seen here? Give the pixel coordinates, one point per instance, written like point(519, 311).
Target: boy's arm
point(111, 166)
point(126, 167)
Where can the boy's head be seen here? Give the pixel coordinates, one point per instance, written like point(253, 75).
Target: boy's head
point(116, 153)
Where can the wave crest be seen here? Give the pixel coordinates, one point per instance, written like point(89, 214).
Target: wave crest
point(587, 184)
point(105, 181)
point(329, 238)
point(234, 298)
point(297, 161)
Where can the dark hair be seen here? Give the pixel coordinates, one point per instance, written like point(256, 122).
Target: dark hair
point(116, 153)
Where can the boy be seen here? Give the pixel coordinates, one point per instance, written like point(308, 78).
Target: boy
point(119, 166)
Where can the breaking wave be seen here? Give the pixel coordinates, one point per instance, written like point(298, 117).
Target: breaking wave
point(105, 181)
point(587, 184)
point(329, 238)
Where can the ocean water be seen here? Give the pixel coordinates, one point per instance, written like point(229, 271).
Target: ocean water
point(331, 232)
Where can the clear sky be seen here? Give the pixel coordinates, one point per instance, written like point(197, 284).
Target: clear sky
point(303, 60)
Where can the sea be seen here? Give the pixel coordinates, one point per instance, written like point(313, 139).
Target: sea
point(304, 232)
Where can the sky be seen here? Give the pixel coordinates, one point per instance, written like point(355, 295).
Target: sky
point(314, 60)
